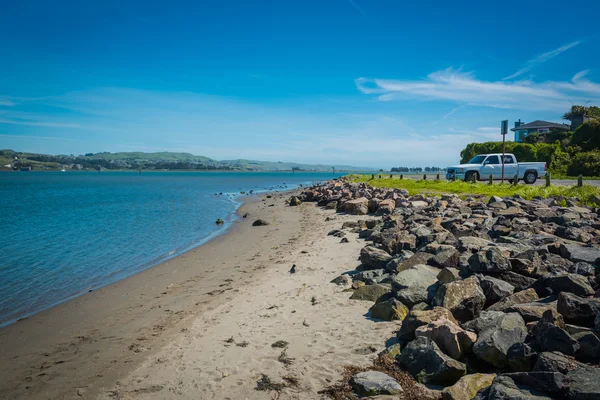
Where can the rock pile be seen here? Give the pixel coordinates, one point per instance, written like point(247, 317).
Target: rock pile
point(496, 299)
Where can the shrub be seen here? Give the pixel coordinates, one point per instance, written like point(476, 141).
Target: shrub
point(587, 136)
point(587, 163)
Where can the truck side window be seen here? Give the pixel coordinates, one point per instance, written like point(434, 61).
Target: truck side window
point(492, 160)
point(508, 160)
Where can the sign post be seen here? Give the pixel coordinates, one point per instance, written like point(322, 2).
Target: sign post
point(503, 131)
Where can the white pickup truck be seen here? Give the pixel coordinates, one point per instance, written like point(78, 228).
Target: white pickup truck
point(484, 165)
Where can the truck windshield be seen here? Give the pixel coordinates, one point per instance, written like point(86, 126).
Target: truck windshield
point(477, 160)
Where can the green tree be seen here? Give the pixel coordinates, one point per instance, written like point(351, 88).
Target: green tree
point(586, 163)
point(587, 136)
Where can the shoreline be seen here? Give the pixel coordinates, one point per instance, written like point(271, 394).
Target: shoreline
point(91, 330)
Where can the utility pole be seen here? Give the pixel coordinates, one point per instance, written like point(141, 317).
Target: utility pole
point(503, 131)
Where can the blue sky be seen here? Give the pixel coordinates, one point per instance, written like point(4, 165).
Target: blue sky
point(372, 83)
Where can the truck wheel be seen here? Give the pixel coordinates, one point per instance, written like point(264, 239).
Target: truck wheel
point(530, 177)
point(469, 176)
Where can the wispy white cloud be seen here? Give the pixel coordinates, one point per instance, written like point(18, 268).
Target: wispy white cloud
point(542, 58)
point(457, 85)
point(6, 101)
point(38, 123)
point(35, 137)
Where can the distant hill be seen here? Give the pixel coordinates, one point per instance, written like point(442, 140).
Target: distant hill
point(10, 159)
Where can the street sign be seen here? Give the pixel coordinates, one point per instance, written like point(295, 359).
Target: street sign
point(504, 127)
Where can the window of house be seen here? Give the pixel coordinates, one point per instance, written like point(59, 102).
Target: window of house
point(543, 130)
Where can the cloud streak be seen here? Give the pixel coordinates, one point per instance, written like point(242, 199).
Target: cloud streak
point(542, 58)
point(456, 85)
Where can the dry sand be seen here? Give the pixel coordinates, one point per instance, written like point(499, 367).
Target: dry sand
point(166, 332)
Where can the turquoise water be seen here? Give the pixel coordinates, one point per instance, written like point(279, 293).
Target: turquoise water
point(65, 233)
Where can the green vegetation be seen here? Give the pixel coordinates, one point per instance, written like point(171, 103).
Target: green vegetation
point(586, 194)
point(566, 153)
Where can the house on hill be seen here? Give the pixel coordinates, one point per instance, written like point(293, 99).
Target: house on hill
point(521, 129)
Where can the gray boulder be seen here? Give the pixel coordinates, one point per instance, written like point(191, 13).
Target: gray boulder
point(389, 310)
point(446, 258)
point(370, 292)
point(374, 383)
point(550, 337)
point(494, 341)
point(533, 311)
point(553, 383)
point(575, 253)
point(417, 318)
point(504, 388)
point(578, 310)
point(494, 289)
point(448, 275)
point(521, 357)
point(358, 206)
point(374, 258)
point(589, 346)
point(415, 285)
point(463, 298)
point(556, 362)
point(423, 359)
point(585, 384)
point(524, 296)
point(571, 283)
point(490, 261)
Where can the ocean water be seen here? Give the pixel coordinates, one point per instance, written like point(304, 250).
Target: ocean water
point(65, 233)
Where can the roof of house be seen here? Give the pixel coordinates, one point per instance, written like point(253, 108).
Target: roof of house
point(541, 124)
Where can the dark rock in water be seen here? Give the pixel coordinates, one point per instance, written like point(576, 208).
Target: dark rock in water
point(521, 357)
point(370, 292)
point(585, 384)
point(578, 310)
point(571, 283)
point(219, 222)
point(589, 346)
point(260, 222)
point(374, 383)
point(492, 261)
point(423, 359)
point(494, 341)
point(553, 383)
point(374, 258)
point(504, 388)
point(416, 285)
point(417, 318)
point(389, 310)
point(575, 253)
point(464, 298)
point(494, 289)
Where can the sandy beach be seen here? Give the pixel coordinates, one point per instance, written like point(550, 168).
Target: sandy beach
point(202, 325)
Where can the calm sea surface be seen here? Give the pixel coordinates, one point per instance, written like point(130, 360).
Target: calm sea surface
point(65, 233)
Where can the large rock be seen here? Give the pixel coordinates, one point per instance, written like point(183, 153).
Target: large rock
point(413, 260)
point(485, 320)
point(423, 359)
point(389, 310)
point(386, 207)
point(374, 258)
point(571, 283)
point(556, 362)
point(358, 206)
point(494, 289)
point(448, 275)
point(550, 337)
point(370, 292)
point(525, 296)
point(450, 338)
point(533, 311)
point(520, 282)
point(589, 346)
point(504, 388)
point(494, 341)
point(521, 357)
point(472, 244)
point(490, 261)
point(585, 384)
point(575, 253)
point(553, 383)
point(416, 285)
point(463, 298)
point(468, 386)
point(417, 318)
point(446, 258)
point(373, 383)
point(578, 310)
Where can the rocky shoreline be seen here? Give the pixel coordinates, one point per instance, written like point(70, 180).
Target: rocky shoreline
point(494, 300)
